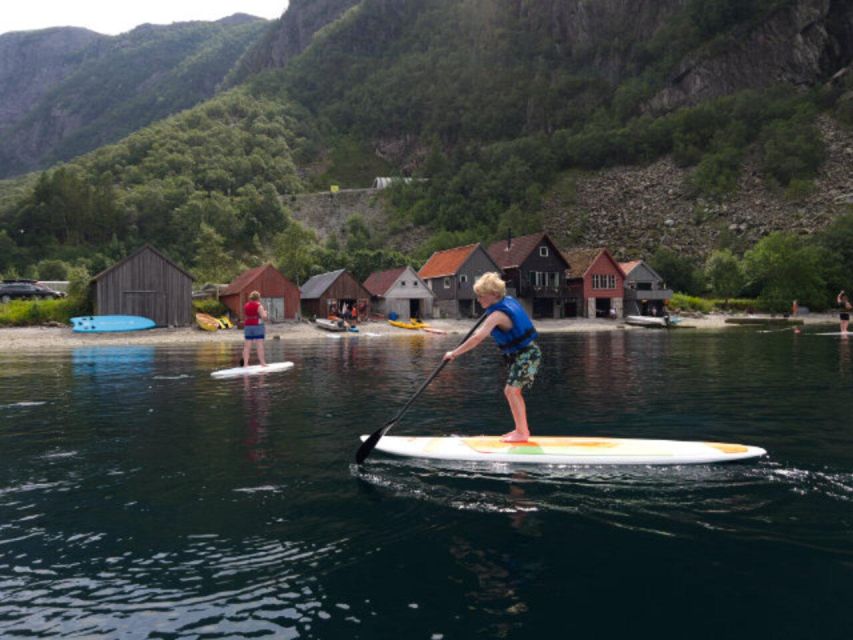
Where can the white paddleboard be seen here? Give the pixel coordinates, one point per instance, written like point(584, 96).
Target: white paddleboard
point(566, 450)
point(253, 370)
point(834, 333)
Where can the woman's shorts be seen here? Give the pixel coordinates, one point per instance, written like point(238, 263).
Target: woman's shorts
point(523, 366)
point(253, 332)
point(845, 316)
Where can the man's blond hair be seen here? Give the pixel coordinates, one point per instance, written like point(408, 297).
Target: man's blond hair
point(490, 284)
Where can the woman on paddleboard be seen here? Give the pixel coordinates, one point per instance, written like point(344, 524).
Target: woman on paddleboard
point(514, 333)
point(254, 316)
point(845, 306)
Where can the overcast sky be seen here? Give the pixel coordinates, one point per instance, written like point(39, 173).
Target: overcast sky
point(116, 16)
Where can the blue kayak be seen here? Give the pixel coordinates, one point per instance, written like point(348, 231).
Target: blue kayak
point(106, 324)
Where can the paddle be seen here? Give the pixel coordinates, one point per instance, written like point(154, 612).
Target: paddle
point(368, 445)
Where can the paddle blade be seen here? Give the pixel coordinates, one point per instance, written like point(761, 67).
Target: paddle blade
point(370, 444)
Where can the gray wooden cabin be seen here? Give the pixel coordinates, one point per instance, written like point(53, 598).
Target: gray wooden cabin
point(146, 283)
point(645, 290)
point(451, 274)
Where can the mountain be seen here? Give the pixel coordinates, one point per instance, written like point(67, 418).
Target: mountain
point(66, 91)
point(696, 124)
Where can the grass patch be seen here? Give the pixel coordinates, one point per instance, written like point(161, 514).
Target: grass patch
point(29, 313)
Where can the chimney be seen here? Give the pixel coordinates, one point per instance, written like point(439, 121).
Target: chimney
point(508, 239)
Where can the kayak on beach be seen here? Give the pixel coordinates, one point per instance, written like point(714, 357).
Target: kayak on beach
point(108, 324)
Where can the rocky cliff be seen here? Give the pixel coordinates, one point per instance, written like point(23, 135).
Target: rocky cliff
point(32, 63)
point(800, 45)
point(289, 36)
point(634, 210)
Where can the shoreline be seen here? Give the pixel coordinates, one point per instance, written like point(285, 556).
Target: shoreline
point(18, 339)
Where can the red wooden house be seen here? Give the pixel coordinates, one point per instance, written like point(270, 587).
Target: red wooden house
point(279, 295)
point(596, 283)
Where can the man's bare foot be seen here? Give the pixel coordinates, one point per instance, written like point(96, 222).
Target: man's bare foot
point(515, 436)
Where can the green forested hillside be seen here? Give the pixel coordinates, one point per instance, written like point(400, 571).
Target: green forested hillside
point(121, 84)
point(492, 103)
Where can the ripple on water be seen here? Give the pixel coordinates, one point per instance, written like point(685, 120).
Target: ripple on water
point(676, 501)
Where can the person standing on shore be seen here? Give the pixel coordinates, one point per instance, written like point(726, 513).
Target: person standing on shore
point(844, 316)
point(253, 328)
point(514, 333)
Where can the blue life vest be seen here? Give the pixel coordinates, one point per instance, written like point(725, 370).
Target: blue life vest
point(522, 333)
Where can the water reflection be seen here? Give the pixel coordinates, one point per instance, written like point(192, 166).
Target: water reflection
point(256, 409)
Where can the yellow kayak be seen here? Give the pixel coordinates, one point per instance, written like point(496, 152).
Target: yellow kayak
point(225, 322)
point(206, 322)
point(412, 324)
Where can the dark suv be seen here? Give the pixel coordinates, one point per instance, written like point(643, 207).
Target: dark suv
point(10, 289)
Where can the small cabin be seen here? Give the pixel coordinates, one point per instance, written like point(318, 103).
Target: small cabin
point(596, 283)
point(326, 294)
point(146, 283)
point(646, 293)
point(400, 292)
point(451, 274)
point(279, 295)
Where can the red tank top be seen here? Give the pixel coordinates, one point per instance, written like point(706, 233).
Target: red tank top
point(251, 311)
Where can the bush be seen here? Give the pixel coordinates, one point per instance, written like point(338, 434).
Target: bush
point(210, 306)
point(684, 302)
point(792, 149)
point(27, 313)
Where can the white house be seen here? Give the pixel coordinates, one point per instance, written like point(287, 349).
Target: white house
point(400, 291)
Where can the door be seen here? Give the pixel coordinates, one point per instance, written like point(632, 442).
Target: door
point(275, 309)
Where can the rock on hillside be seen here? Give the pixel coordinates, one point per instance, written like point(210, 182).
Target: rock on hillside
point(634, 210)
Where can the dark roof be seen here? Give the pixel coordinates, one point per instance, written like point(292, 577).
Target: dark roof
point(628, 267)
point(379, 282)
point(239, 283)
point(146, 247)
point(447, 262)
point(518, 251)
point(317, 285)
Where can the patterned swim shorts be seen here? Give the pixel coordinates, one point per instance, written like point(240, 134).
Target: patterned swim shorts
point(523, 366)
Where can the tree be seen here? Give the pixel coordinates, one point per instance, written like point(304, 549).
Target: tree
point(52, 270)
point(724, 274)
point(783, 267)
point(212, 262)
point(679, 271)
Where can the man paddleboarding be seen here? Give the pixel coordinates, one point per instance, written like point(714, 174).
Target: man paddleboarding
point(515, 335)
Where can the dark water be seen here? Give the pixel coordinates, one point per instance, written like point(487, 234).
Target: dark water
point(139, 498)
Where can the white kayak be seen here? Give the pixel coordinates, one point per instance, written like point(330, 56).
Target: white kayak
point(566, 450)
point(253, 370)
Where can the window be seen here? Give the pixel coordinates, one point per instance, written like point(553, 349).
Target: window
point(463, 278)
point(447, 283)
point(603, 281)
point(543, 252)
point(545, 278)
point(402, 283)
point(414, 283)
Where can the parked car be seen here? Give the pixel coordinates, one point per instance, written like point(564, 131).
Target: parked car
point(18, 289)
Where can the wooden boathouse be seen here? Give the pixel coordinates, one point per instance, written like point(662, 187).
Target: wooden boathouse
point(145, 283)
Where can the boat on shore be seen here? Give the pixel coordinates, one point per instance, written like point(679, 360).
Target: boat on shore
point(652, 322)
point(330, 325)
